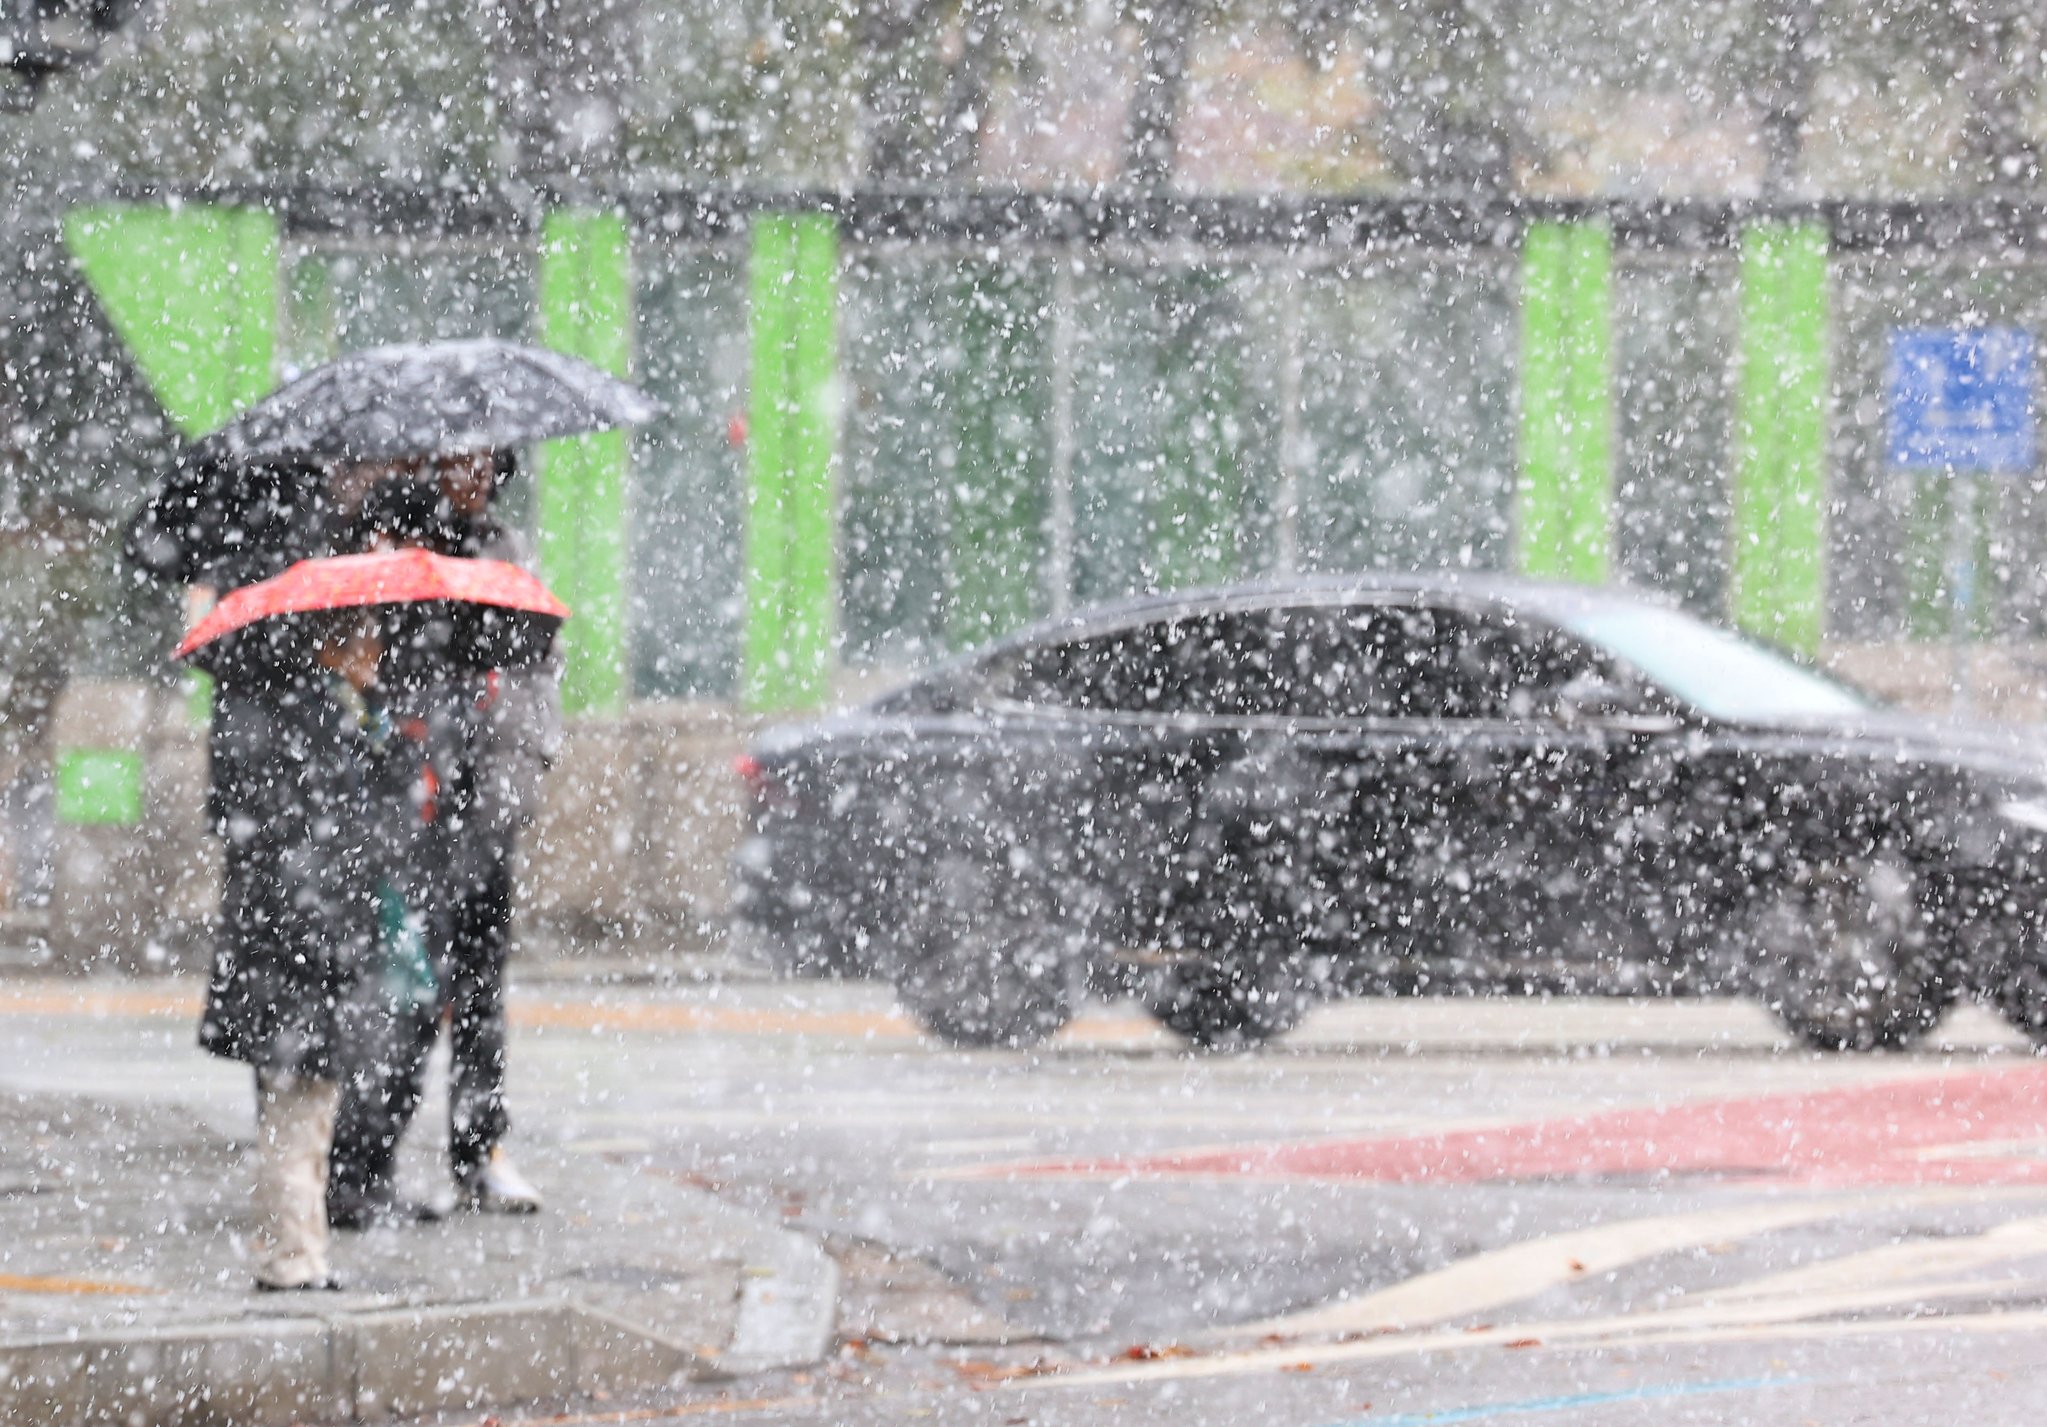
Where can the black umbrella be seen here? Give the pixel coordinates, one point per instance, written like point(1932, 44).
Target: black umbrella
point(426, 399)
point(246, 501)
point(220, 523)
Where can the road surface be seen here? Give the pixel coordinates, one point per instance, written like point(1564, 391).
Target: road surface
point(1442, 1211)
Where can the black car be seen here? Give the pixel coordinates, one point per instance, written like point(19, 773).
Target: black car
point(1231, 804)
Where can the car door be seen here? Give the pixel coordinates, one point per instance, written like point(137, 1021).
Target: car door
point(1566, 771)
point(1130, 724)
point(1470, 825)
point(1357, 789)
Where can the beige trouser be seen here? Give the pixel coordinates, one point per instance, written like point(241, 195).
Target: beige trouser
point(294, 1129)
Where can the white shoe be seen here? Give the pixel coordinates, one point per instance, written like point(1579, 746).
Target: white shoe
point(498, 1188)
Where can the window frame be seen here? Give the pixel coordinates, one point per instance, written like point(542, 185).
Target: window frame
point(997, 676)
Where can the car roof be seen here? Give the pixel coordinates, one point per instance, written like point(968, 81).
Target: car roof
point(1551, 601)
point(1545, 599)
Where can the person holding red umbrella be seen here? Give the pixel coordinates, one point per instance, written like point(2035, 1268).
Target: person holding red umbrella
point(317, 799)
point(312, 802)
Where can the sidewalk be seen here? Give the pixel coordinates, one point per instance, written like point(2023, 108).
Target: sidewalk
point(125, 1288)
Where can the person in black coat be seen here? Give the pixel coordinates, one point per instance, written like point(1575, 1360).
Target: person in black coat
point(398, 1013)
point(505, 728)
point(309, 796)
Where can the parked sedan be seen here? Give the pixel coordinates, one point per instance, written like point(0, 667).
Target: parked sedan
point(1235, 803)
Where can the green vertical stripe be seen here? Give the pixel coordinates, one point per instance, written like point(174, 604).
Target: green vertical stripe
point(791, 578)
point(814, 361)
point(193, 293)
point(1565, 494)
point(586, 311)
point(256, 272)
point(1589, 352)
point(1779, 536)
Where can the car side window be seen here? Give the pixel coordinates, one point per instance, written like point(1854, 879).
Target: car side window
point(1504, 669)
point(1216, 664)
point(1116, 672)
point(1315, 662)
point(1422, 662)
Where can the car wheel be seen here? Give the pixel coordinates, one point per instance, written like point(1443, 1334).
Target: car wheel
point(2021, 993)
point(1845, 958)
point(978, 969)
point(1229, 1004)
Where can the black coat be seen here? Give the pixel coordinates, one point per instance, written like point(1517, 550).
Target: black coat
point(312, 807)
point(227, 526)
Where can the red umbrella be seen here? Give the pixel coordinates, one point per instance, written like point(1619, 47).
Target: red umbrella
point(515, 614)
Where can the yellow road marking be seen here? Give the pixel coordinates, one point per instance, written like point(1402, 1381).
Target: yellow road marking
point(80, 1287)
point(547, 1013)
point(139, 1001)
point(553, 1013)
point(583, 1015)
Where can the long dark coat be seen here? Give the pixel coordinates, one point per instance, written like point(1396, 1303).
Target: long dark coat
point(515, 736)
point(310, 806)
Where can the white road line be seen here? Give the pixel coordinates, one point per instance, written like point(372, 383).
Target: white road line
point(2020, 1320)
point(1911, 1262)
point(1486, 1281)
point(1762, 1320)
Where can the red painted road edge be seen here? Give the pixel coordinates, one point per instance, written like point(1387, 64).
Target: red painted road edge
point(1923, 1130)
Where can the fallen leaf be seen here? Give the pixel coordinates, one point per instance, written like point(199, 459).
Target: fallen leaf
point(1151, 1353)
point(982, 1373)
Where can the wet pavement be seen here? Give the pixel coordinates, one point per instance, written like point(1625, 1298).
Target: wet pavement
point(1589, 1211)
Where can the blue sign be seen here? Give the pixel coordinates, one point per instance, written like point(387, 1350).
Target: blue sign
point(1962, 399)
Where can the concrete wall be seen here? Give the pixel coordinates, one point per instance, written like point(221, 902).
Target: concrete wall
point(2006, 682)
point(639, 819)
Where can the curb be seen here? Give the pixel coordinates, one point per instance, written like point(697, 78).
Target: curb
point(368, 1366)
point(788, 1308)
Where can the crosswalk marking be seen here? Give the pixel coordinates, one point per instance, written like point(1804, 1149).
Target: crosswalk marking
point(1490, 1280)
point(1384, 1324)
point(1904, 1263)
point(1766, 1319)
point(73, 1287)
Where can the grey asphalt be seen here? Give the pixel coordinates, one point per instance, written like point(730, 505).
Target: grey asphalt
point(979, 1282)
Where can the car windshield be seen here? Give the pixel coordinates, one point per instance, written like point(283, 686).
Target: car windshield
point(1719, 673)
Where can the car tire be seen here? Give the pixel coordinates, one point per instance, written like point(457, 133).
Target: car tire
point(2021, 990)
point(1229, 1004)
point(976, 966)
point(1238, 976)
point(1845, 957)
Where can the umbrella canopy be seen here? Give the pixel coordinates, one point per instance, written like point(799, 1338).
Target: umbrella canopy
point(426, 399)
point(219, 523)
point(477, 614)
